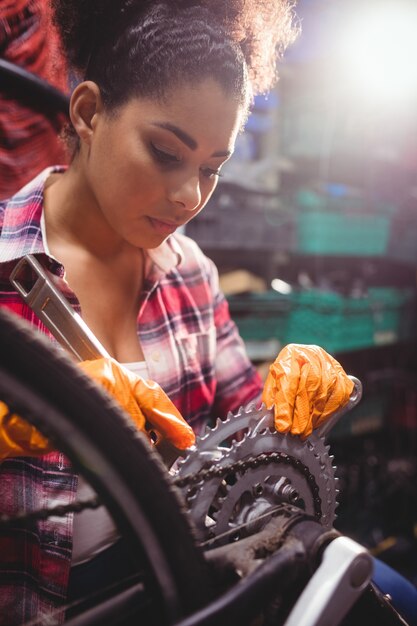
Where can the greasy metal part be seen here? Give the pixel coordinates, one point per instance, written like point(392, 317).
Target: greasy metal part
point(301, 473)
point(245, 602)
point(307, 480)
point(230, 481)
point(341, 578)
point(245, 555)
point(282, 511)
point(281, 557)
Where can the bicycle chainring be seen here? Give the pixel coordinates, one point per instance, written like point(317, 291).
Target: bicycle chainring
point(243, 468)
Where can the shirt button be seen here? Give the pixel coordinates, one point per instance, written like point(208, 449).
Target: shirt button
point(156, 355)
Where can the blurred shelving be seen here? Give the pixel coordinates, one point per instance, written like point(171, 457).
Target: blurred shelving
point(322, 195)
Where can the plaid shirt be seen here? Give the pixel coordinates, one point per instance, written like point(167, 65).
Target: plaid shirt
point(192, 349)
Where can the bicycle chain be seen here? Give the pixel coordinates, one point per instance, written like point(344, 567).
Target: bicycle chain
point(187, 481)
point(252, 463)
point(60, 510)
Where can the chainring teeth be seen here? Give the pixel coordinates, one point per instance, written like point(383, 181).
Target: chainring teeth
point(227, 506)
point(217, 501)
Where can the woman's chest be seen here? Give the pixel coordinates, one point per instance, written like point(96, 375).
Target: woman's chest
point(109, 306)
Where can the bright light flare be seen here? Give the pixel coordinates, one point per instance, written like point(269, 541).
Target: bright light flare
point(381, 51)
point(281, 286)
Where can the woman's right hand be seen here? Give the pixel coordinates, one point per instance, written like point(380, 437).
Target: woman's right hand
point(143, 400)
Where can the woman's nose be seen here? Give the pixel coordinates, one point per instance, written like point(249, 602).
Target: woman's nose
point(188, 193)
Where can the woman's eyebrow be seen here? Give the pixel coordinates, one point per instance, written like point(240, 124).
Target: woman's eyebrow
point(187, 139)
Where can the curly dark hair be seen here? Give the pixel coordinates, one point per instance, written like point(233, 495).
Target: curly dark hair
point(143, 47)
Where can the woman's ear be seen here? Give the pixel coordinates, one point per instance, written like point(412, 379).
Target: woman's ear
point(85, 105)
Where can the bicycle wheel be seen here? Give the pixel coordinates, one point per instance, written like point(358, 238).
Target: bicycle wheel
point(42, 385)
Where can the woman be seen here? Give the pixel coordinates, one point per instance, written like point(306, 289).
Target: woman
point(164, 89)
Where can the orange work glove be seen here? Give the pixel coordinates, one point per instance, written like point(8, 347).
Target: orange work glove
point(305, 385)
point(18, 437)
point(143, 400)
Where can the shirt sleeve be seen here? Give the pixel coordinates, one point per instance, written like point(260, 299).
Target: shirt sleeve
point(238, 382)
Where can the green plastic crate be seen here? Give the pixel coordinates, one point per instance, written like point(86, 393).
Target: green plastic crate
point(260, 317)
point(337, 323)
point(341, 324)
point(326, 233)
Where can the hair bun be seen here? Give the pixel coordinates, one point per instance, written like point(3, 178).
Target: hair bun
point(262, 28)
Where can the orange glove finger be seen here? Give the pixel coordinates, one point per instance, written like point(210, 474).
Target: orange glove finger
point(305, 385)
point(18, 437)
point(143, 400)
point(162, 414)
point(116, 381)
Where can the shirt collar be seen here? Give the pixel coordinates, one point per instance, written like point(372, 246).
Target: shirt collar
point(166, 256)
point(21, 230)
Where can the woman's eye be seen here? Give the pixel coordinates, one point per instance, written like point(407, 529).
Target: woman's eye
point(162, 156)
point(210, 173)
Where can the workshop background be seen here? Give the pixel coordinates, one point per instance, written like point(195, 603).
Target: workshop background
point(313, 227)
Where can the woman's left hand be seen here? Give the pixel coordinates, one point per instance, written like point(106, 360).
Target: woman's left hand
point(305, 386)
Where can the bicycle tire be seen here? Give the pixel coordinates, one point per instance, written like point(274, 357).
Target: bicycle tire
point(42, 385)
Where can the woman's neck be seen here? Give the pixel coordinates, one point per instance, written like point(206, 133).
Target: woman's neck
point(73, 217)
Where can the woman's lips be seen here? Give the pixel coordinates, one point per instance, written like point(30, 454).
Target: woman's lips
point(163, 228)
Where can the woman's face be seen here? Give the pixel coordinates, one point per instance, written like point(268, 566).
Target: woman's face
point(152, 166)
